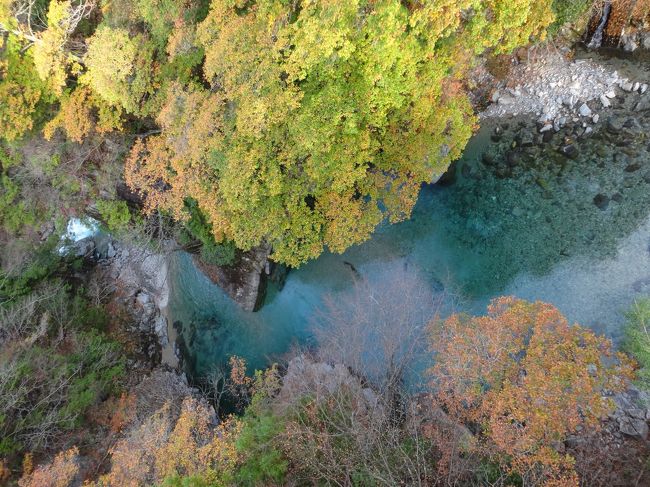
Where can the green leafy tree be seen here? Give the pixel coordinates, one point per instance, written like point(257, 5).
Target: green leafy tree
point(637, 337)
point(323, 118)
point(115, 213)
point(120, 68)
point(24, 96)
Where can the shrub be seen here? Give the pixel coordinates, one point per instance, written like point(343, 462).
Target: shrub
point(637, 337)
point(263, 462)
point(568, 12)
point(53, 368)
point(115, 213)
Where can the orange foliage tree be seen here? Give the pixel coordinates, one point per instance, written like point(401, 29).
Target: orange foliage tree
point(522, 378)
point(62, 472)
point(160, 450)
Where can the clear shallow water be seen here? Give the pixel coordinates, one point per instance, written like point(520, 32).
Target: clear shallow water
point(534, 232)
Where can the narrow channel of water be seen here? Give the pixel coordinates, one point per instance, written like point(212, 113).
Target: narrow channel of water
point(526, 221)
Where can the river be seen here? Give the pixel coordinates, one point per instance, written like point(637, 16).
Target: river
point(528, 222)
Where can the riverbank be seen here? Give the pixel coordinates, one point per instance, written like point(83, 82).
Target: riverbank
point(132, 283)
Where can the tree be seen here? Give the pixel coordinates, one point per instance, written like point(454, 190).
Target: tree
point(24, 95)
point(163, 449)
point(48, 33)
point(83, 113)
point(120, 68)
point(323, 118)
point(62, 472)
point(523, 378)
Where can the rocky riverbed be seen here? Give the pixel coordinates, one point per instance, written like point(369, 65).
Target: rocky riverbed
point(559, 90)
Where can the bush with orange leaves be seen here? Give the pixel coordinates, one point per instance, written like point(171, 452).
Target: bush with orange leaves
point(62, 472)
point(521, 378)
point(159, 450)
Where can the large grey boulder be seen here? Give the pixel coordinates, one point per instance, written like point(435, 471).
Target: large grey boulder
point(635, 427)
point(246, 279)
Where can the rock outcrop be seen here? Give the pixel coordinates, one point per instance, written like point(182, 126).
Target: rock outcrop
point(134, 282)
point(245, 281)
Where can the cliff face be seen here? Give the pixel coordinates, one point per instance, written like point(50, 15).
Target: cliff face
point(621, 24)
point(132, 283)
point(245, 280)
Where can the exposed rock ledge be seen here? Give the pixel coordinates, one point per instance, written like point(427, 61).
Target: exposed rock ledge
point(245, 281)
point(133, 282)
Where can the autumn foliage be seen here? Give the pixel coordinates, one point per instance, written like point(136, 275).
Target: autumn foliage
point(159, 449)
point(62, 472)
point(523, 378)
point(323, 118)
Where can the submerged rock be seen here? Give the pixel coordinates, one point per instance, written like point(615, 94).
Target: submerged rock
point(570, 151)
point(601, 201)
point(614, 126)
point(633, 167)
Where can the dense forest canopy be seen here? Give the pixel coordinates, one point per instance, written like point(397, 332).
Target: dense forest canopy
point(298, 124)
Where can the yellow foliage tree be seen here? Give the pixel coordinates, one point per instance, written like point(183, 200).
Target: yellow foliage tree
point(323, 118)
point(160, 449)
point(120, 68)
point(63, 470)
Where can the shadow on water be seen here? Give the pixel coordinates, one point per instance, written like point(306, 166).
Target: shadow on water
point(523, 220)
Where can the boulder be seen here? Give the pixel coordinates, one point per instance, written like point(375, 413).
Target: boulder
point(627, 86)
point(634, 427)
point(601, 201)
point(83, 248)
point(570, 151)
point(245, 280)
point(643, 104)
point(645, 40)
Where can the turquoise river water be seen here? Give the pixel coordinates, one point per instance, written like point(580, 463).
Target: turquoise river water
point(522, 222)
